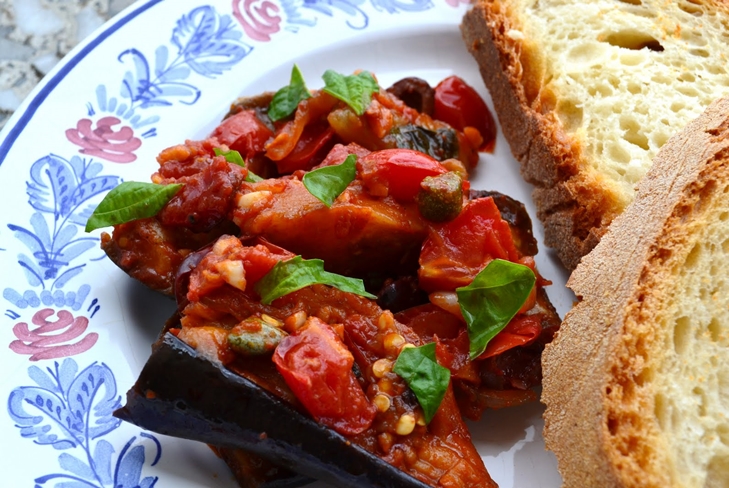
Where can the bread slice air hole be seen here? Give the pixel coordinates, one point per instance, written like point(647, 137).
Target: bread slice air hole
point(635, 40)
point(681, 335)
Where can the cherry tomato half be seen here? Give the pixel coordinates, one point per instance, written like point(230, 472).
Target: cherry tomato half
point(460, 106)
point(317, 366)
point(243, 132)
point(397, 172)
point(454, 253)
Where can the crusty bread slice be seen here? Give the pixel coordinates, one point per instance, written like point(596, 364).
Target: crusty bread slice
point(587, 91)
point(636, 382)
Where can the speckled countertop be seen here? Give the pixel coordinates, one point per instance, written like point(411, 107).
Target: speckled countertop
point(36, 34)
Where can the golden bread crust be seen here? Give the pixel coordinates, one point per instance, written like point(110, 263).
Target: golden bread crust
point(600, 383)
point(573, 203)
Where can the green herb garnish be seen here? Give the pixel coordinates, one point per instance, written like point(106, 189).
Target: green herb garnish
point(492, 299)
point(234, 157)
point(252, 177)
point(329, 182)
point(354, 90)
point(428, 379)
point(131, 200)
point(286, 100)
point(230, 156)
point(297, 273)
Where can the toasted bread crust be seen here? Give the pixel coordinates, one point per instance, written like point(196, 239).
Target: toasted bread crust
point(574, 205)
point(600, 419)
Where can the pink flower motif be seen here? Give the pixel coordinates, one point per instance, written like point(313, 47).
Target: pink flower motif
point(258, 18)
point(455, 3)
point(43, 343)
point(117, 146)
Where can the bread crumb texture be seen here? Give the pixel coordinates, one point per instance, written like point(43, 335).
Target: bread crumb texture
point(627, 75)
point(668, 403)
point(587, 92)
point(637, 381)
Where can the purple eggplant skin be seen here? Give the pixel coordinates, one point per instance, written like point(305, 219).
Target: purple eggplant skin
point(183, 395)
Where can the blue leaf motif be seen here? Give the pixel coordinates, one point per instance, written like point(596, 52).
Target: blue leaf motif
point(33, 273)
point(53, 422)
point(51, 176)
point(37, 189)
point(42, 232)
point(140, 88)
point(102, 461)
point(85, 399)
point(76, 248)
point(350, 7)
point(66, 374)
point(76, 466)
point(42, 379)
point(90, 188)
point(394, 6)
point(136, 84)
point(67, 275)
point(208, 42)
point(168, 74)
point(63, 237)
point(129, 467)
point(68, 409)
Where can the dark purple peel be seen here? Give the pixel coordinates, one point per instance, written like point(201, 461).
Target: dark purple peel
point(181, 394)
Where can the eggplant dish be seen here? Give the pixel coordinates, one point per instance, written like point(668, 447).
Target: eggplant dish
point(344, 298)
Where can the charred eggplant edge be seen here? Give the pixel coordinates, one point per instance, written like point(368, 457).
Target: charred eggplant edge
point(181, 394)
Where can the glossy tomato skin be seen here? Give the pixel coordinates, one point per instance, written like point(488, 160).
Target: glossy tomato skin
point(460, 106)
point(397, 172)
point(243, 132)
point(454, 253)
point(317, 366)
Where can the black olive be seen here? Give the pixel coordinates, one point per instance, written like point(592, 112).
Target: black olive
point(416, 93)
point(440, 145)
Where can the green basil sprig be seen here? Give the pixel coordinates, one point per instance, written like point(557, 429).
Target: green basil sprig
point(234, 157)
point(131, 200)
point(231, 156)
point(354, 90)
point(286, 100)
point(329, 182)
point(428, 379)
point(492, 299)
point(297, 273)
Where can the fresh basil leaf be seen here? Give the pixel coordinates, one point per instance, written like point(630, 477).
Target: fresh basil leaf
point(354, 90)
point(252, 177)
point(428, 379)
point(234, 157)
point(286, 100)
point(297, 273)
point(329, 182)
point(230, 156)
point(492, 299)
point(131, 200)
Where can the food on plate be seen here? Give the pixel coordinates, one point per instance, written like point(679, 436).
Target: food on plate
point(588, 91)
point(636, 382)
point(369, 230)
point(341, 315)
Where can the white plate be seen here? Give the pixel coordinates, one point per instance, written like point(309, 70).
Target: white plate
point(78, 330)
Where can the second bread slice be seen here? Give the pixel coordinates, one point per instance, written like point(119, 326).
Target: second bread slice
point(636, 382)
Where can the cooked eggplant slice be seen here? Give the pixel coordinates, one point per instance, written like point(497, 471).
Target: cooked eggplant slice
point(252, 471)
point(184, 395)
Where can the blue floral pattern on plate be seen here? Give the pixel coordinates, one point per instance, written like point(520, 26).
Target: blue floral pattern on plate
point(71, 410)
point(66, 412)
